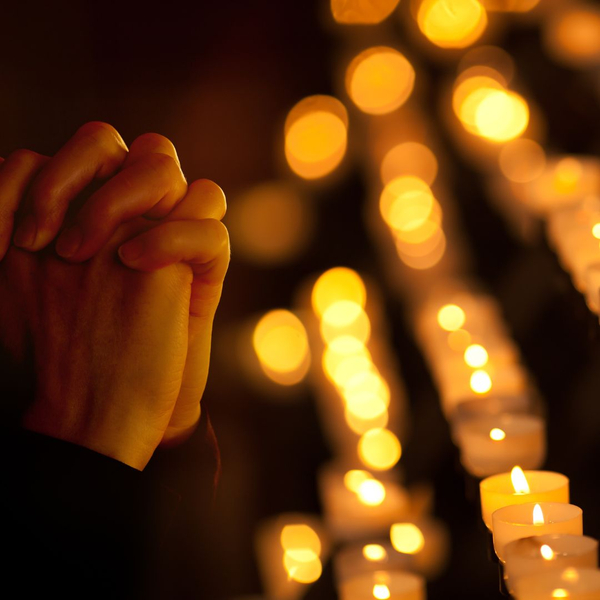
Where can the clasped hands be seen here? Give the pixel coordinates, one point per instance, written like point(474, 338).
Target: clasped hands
point(109, 289)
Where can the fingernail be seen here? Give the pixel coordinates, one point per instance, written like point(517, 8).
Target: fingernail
point(131, 250)
point(69, 242)
point(26, 233)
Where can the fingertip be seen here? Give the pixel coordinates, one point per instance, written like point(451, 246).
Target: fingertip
point(131, 252)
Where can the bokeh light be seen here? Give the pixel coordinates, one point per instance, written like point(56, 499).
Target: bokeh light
point(300, 536)
point(271, 223)
point(302, 548)
point(379, 80)
point(371, 492)
point(339, 283)
point(407, 538)
point(281, 345)
point(409, 158)
point(374, 552)
point(451, 317)
point(480, 382)
point(362, 12)
point(522, 160)
point(345, 317)
point(452, 23)
point(497, 434)
point(501, 115)
point(379, 449)
point(316, 131)
point(476, 355)
point(381, 591)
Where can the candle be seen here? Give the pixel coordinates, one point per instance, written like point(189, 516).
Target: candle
point(544, 553)
point(539, 486)
point(524, 520)
point(575, 584)
point(494, 444)
point(358, 505)
point(383, 585)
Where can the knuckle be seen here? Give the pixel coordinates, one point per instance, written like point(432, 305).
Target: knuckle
point(219, 233)
point(101, 133)
point(164, 168)
point(24, 157)
point(210, 189)
point(150, 141)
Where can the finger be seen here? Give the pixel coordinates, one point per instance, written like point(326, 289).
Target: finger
point(96, 151)
point(204, 200)
point(204, 245)
point(153, 184)
point(150, 143)
point(16, 174)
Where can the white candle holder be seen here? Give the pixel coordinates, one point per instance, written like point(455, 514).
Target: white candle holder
point(391, 585)
point(575, 584)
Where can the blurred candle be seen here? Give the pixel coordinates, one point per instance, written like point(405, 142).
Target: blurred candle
point(576, 584)
point(383, 585)
point(498, 491)
point(491, 445)
point(524, 520)
point(544, 553)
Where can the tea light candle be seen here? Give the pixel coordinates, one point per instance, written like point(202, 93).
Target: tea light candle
point(575, 584)
point(524, 520)
point(539, 486)
point(353, 516)
point(492, 445)
point(383, 585)
point(544, 553)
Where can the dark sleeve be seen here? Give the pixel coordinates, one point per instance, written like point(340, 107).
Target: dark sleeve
point(83, 524)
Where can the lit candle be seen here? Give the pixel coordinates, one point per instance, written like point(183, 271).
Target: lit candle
point(492, 445)
point(354, 505)
point(576, 584)
point(383, 585)
point(524, 520)
point(544, 553)
point(518, 487)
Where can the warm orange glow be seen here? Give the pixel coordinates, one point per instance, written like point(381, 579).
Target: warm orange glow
point(547, 552)
point(409, 158)
point(379, 80)
point(497, 434)
point(316, 136)
point(471, 88)
point(354, 478)
point(476, 356)
point(367, 382)
point(406, 203)
point(567, 175)
point(339, 283)
point(374, 552)
point(341, 369)
point(425, 255)
point(459, 340)
point(538, 515)
point(596, 231)
point(371, 492)
point(519, 481)
point(522, 160)
point(381, 591)
point(570, 574)
point(359, 425)
point(300, 537)
point(501, 116)
point(451, 317)
point(480, 382)
point(407, 538)
point(271, 223)
point(518, 6)
point(365, 405)
point(281, 344)
point(362, 12)
point(560, 593)
point(346, 345)
point(379, 449)
point(345, 317)
point(452, 23)
point(305, 568)
point(573, 35)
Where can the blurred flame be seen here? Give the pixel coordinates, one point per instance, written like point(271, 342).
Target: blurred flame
point(480, 382)
point(538, 515)
point(379, 449)
point(354, 477)
point(546, 552)
point(345, 317)
point(497, 434)
point(452, 23)
point(519, 481)
point(476, 355)
point(381, 591)
point(302, 548)
point(407, 538)
point(409, 158)
point(560, 593)
point(501, 115)
point(379, 80)
point(451, 317)
point(339, 283)
point(371, 492)
point(316, 136)
point(374, 552)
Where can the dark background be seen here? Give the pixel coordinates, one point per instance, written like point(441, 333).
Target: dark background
point(218, 78)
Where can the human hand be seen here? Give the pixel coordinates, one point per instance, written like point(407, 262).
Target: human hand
point(102, 334)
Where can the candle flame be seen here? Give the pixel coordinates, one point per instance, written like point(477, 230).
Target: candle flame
point(570, 574)
point(538, 515)
point(381, 591)
point(374, 552)
point(546, 552)
point(560, 593)
point(497, 434)
point(519, 481)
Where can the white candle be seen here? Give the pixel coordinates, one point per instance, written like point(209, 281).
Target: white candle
point(383, 585)
point(544, 553)
point(491, 445)
point(524, 520)
point(540, 486)
point(575, 584)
